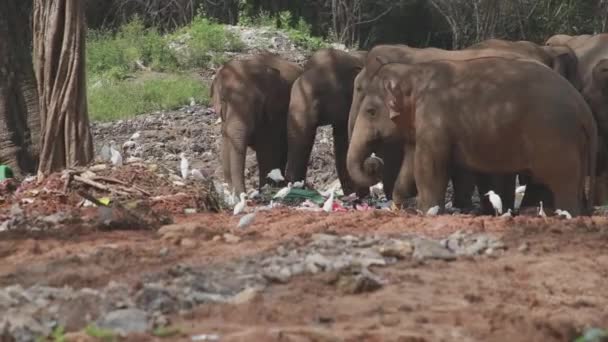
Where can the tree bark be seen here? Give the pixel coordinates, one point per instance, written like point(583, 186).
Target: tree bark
point(19, 115)
point(59, 52)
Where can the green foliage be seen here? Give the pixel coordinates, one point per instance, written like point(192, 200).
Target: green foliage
point(301, 35)
point(99, 333)
point(111, 99)
point(165, 332)
point(134, 47)
point(57, 335)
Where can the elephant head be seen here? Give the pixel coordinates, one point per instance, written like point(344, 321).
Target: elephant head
point(565, 63)
point(386, 114)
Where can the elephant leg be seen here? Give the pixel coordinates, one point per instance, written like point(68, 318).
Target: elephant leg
point(463, 182)
point(268, 156)
point(404, 184)
point(301, 132)
point(484, 184)
point(340, 148)
point(238, 151)
point(226, 161)
point(601, 189)
point(394, 157)
point(431, 172)
point(535, 193)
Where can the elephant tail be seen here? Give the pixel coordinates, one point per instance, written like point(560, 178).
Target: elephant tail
point(592, 150)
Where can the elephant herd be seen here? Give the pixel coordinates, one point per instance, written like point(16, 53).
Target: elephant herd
point(478, 117)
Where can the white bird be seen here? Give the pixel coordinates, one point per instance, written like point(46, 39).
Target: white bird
point(541, 211)
point(116, 156)
point(329, 203)
point(105, 154)
point(192, 102)
point(135, 136)
point(433, 211)
point(563, 213)
point(197, 174)
point(254, 194)
point(283, 192)
point(246, 220)
point(275, 175)
point(520, 189)
point(299, 184)
point(239, 207)
point(377, 190)
point(496, 202)
point(184, 165)
point(507, 214)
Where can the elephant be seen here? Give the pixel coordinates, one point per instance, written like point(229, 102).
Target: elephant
point(321, 96)
point(564, 39)
point(252, 98)
point(528, 120)
point(406, 54)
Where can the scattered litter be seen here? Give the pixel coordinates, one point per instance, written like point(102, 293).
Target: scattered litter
point(205, 337)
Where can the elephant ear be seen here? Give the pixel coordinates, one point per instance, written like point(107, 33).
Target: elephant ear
point(399, 100)
point(565, 63)
point(600, 74)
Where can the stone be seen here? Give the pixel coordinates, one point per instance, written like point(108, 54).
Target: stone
point(429, 249)
point(317, 261)
point(156, 298)
point(524, 247)
point(358, 283)
point(396, 249)
point(188, 243)
point(245, 296)
point(231, 238)
point(125, 321)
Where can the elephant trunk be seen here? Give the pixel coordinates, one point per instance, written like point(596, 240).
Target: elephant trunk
point(358, 154)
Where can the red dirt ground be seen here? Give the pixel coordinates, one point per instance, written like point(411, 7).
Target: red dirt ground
point(549, 284)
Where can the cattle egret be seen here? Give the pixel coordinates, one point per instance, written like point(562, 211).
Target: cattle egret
point(254, 194)
point(116, 157)
point(329, 203)
point(563, 213)
point(507, 214)
point(184, 165)
point(275, 175)
point(541, 211)
point(239, 207)
point(135, 135)
point(246, 220)
point(298, 185)
point(105, 154)
point(496, 202)
point(520, 189)
point(433, 211)
point(283, 192)
point(197, 174)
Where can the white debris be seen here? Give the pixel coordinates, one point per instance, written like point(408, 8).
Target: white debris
point(275, 175)
point(246, 220)
point(184, 165)
point(116, 157)
point(433, 211)
point(105, 153)
point(135, 136)
point(197, 174)
point(563, 213)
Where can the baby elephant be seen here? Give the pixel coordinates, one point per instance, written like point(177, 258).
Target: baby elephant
point(252, 97)
point(491, 115)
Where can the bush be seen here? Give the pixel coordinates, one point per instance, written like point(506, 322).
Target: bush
point(111, 99)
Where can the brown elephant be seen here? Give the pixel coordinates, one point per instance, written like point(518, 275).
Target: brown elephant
point(564, 39)
point(464, 184)
point(460, 113)
point(321, 96)
point(252, 97)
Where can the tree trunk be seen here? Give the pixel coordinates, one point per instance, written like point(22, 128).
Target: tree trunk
point(59, 50)
point(19, 115)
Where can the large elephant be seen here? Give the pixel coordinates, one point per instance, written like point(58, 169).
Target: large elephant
point(321, 96)
point(491, 115)
point(252, 97)
point(463, 181)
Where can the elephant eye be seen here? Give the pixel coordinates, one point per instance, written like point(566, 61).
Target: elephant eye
point(371, 112)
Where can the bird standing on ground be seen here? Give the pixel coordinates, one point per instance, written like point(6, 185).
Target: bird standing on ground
point(246, 220)
point(275, 175)
point(563, 213)
point(184, 165)
point(496, 202)
point(433, 211)
point(541, 211)
point(116, 156)
point(299, 184)
point(283, 192)
point(507, 214)
point(329, 203)
point(239, 207)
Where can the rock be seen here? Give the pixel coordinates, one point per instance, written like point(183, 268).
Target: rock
point(429, 249)
point(188, 243)
point(156, 298)
point(125, 321)
point(316, 262)
point(524, 247)
point(163, 252)
point(245, 296)
point(396, 249)
point(21, 326)
point(358, 283)
point(231, 238)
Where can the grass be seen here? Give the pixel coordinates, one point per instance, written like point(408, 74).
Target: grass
point(166, 332)
point(101, 334)
point(117, 99)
